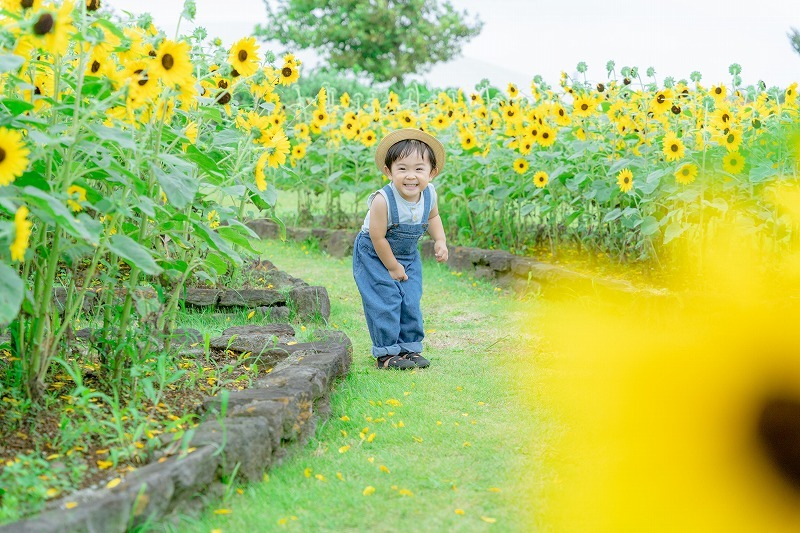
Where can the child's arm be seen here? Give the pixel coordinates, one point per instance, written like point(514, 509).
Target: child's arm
point(436, 231)
point(378, 216)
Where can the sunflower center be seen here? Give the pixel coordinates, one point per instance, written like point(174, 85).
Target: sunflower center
point(600, 87)
point(660, 98)
point(286, 71)
point(95, 66)
point(93, 5)
point(44, 25)
point(143, 79)
point(222, 84)
point(545, 135)
point(725, 117)
point(26, 4)
point(242, 55)
point(685, 172)
point(584, 106)
point(235, 73)
point(673, 147)
point(626, 180)
point(731, 138)
point(718, 90)
point(779, 432)
point(756, 123)
point(2, 155)
point(676, 110)
point(224, 98)
point(167, 61)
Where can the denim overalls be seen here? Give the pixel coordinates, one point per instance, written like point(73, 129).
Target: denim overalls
point(392, 308)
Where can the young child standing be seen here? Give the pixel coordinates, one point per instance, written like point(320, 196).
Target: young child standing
point(386, 262)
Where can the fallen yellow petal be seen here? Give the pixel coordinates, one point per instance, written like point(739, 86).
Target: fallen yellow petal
point(368, 490)
point(385, 469)
point(371, 459)
point(339, 476)
point(418, 439)
point(467, 444)
point(71, 505)
point(320, 477)
point(371, 437)
point(405, 492)
point(251, 314)
point(222, 511)
point(113, 483)
point(494, 489)
point(344, 418)
point(459, 511)
point(51, 492)
point(102, 465)
point(307, 472)
point(344, 449)
point(488, 520)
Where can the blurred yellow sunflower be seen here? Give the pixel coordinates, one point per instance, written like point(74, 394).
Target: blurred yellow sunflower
point(142, 87)
point(686, 174)
point(51, 30)
point(22, 234)
point(583, 105)
point(521, 166)
point(733, 163)
point(731, 140)
point(547, 136)
point(277, 149)
point(673, 147)
point(679, 409)
point(289, 74)
point(19, 7)
point(468, 140)
point(625, 180)
point(368, 138)
point(243, 56)
point(261, 178)
point(719, 93)
point(13, 155)
point(171, 63)
point(540, 179)
point(77, 195)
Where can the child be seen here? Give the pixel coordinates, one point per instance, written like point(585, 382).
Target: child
point(386, 261)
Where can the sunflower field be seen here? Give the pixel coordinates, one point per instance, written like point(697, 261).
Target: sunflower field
point(619, 168)
point(126, 159)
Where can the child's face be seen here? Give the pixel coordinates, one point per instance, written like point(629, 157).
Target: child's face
point(410, 175)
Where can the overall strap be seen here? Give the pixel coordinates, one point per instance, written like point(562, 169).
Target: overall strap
point(394, 216)
point(426, 212)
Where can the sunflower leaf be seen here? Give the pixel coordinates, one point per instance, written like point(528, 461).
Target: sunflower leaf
point(12, 291)
point(134, 254)
point(9, 62)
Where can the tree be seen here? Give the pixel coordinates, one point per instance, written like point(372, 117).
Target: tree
point(794, 38)
point(385, 39)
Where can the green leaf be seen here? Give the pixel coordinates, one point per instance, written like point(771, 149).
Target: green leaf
point(12, 291)
point(134, 254)
point(674, 230)
point(762, 173)
point(10, 62)
point(52, 211)
point(235, 236)
point(649, 226)
point(16, 107)
point(614, 214)
point(179, 186)
point(216, 262)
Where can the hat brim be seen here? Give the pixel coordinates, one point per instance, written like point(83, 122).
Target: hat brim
point(405, 134)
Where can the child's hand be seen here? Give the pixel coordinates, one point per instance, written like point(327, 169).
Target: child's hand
point(398, 273)
point(440, 251)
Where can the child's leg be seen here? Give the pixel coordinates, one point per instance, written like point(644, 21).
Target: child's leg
point(411, 326)
point(380, 296)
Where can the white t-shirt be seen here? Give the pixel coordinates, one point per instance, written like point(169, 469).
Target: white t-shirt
point(409, 212)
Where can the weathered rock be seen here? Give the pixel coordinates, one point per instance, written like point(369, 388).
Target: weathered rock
point(255, 339)
point(264, 228)
point(250, 298)
point(310, 303)
point(202, 297)
point(339, 243)
point(275, 313)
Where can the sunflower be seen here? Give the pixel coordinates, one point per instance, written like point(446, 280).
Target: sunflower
point(321, 117)
point(52, 30)
point(261, 178)
point(583, 105)
point(673, 147)
point(142, 87)
point(540, 179)
point(686, 174)
point(719, 92)
point(732, 139)
point(243, 56)
point(368, 138)
point(277, 149)
point(560, 115)
point(299, 151)
point(77, 194)
point(521, 166)
point(625, 180)
point(526, 145)
point(547, 136)
point(344, 100)
point(13, 156)
point(22, 234)
point(468, 140)
point(92, 5)
point(790, 94)
point(691, 423)
point(21, 6)
point(513, 92)
point(733, 163)
point(661, 102)
point(301, 130)
point(289, 74)
point(172, 64)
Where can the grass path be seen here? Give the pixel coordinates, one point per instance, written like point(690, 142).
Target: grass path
point(457, 446)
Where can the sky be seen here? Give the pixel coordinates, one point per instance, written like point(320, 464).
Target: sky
point(523, 38)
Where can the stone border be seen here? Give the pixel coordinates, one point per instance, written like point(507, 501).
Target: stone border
point(523, 274)
point(261, 425)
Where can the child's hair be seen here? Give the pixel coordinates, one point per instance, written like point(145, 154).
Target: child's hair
point(407, 147)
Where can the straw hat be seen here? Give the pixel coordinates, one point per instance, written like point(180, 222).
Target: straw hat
point(405, 134)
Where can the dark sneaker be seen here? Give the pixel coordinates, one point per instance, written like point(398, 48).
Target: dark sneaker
point(394, 361)
point(417, 359)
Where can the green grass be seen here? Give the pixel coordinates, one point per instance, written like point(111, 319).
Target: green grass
point(471, 438)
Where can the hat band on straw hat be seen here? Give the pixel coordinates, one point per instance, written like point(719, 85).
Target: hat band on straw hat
point(406, 134)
